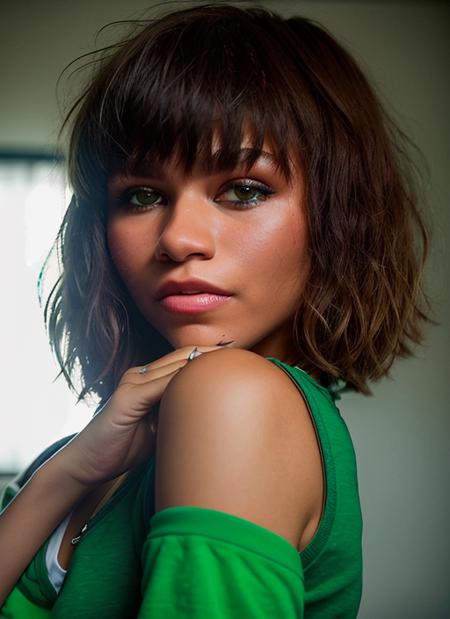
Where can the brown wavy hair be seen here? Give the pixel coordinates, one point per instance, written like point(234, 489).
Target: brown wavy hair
point(168, 87)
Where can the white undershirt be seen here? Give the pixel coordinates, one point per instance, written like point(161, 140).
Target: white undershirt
point(56, 573)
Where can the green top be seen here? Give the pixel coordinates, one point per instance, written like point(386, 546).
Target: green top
point(196, 563)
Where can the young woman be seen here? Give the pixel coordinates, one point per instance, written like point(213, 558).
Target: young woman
point(242, 241)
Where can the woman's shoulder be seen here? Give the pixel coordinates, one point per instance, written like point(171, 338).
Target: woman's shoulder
point(234, 372)
point(261, 386)
point(235, 435)
point(226, 379)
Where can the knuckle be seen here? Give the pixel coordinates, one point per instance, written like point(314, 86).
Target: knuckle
point(131, 370)
point(186, 349)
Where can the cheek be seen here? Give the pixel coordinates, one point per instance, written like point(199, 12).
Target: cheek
point(278, 249)
point(127, 248)
point(294, 240)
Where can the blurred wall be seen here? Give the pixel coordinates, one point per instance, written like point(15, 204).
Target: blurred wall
point(401, 433)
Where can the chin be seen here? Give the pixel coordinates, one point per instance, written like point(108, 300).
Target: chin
point(199, 335)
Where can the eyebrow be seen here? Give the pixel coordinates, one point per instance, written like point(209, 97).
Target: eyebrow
point(155, 169)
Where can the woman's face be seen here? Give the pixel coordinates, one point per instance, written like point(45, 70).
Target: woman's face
point(242, 233)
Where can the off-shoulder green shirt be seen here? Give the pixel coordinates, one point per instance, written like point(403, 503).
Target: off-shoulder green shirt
point(197, 563)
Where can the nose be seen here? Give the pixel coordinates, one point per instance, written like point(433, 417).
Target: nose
point(188, 231)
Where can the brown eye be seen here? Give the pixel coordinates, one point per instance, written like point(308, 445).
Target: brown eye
point(246, 193)
point(143, 197)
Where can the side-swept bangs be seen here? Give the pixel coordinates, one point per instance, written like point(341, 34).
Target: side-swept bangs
point(181, 88)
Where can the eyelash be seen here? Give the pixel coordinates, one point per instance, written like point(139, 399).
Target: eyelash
point(266, 192)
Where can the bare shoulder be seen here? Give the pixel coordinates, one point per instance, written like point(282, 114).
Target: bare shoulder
point(232, 375)
point(235, 435)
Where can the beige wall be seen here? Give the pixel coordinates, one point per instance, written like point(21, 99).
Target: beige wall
point(401, 434)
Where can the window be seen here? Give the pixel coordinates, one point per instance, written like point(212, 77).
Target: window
point(35, 410)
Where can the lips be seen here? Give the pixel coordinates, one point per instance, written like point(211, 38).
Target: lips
point(189, 286)
point(193, 303)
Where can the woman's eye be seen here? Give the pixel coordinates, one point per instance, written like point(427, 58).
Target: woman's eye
point(246, 193)
point(143, 197)
point(242, 194)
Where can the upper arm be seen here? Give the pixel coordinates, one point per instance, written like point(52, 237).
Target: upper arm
point(234, 435)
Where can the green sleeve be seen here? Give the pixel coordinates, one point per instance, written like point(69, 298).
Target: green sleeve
point(200, 562)
point(16, 605)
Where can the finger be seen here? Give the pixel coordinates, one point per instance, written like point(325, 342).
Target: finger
point(179, 354)
point(137, 375)
point(138, 398)
point(182, 353)
point(142, 374)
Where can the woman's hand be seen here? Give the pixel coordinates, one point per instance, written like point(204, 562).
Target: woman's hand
point(120, 435)
point(118, 438)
